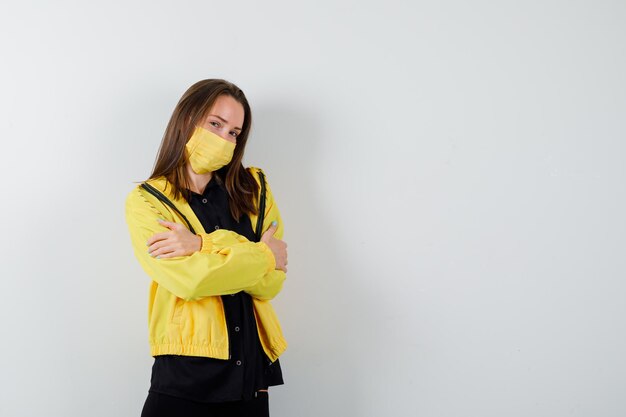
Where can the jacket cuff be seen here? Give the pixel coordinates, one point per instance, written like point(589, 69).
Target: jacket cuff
point(270, 256)
point(207, 244)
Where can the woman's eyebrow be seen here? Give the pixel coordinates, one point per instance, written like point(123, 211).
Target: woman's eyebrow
point(224, 120)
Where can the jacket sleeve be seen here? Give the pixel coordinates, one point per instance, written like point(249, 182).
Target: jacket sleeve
point(226, 265)
point(268, 287)
point(271, 284)
point(264, 289)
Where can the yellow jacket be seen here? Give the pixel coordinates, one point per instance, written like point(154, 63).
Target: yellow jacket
point(185, 310)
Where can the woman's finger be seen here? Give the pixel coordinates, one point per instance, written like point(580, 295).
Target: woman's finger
point(167, 255)
point(162, 251)
point(172, 253)
point(170, 225)
point(168, 238)
point(157, 236)
point(159, 244)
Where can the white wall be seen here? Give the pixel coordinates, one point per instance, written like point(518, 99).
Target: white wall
point(451, 177)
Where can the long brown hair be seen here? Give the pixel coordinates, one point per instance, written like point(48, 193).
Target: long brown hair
point(192, 108)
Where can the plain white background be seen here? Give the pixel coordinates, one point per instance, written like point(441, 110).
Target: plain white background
point(450, 174)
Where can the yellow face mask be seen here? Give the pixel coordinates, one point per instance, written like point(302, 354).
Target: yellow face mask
point(208, 151)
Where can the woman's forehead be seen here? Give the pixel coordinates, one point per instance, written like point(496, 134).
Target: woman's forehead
point(228, 109)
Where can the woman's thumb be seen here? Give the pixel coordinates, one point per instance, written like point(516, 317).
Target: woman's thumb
point(273, 227)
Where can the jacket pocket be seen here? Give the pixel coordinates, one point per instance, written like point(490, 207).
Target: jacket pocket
point(203, 322)
point(176, 310)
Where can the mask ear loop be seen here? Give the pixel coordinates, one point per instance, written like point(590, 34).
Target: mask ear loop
point(259, 222)
point(165, 200)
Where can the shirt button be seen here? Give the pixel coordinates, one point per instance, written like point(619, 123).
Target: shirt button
point(204, 200)
point(238, 363)
point(236, 328)
point(216, 227)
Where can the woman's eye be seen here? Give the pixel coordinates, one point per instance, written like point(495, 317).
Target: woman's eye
point(217, 124)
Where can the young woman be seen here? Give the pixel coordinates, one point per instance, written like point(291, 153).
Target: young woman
point(193, 226)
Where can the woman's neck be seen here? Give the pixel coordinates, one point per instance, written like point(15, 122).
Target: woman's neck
point(198, 182)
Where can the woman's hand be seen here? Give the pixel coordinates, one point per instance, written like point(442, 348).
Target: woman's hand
point(278, 247)
point(177, 242)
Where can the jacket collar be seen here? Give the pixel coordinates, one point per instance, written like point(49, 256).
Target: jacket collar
point(164, 186)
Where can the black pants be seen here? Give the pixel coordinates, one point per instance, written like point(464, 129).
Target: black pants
point(162, 405)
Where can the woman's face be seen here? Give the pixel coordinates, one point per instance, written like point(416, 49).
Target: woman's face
point(225, 118)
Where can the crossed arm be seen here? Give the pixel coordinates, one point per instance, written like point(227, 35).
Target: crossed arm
point(225, 264)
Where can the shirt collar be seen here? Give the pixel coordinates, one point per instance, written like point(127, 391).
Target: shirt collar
point(214, 182)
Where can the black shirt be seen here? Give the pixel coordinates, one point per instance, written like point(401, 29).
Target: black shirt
point(248, 369)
